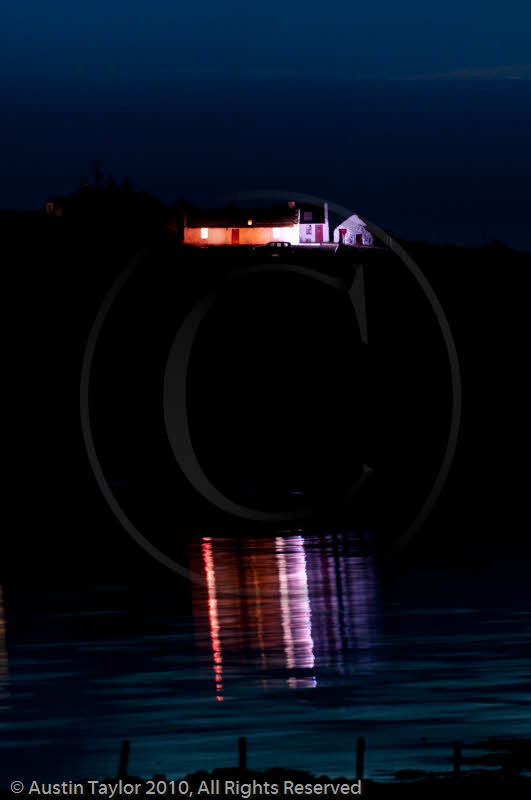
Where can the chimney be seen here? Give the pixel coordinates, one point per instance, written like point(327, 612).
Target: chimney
point(291, 203)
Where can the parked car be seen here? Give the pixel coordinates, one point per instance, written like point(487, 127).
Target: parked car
point(343, 250)
point(273, 250)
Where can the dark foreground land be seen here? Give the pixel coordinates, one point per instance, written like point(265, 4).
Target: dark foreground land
point(293, 784)
point(285, 783)
point(495, 768)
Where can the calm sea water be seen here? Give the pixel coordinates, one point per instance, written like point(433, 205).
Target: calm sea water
point(294, 641)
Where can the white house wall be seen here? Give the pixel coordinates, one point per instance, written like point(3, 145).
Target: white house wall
point(311, 236)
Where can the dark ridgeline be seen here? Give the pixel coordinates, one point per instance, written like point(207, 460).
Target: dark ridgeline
point(292, 361)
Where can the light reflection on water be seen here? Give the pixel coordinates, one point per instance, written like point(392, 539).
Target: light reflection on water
point(3, 655)
point(289, 603)
point(295, 609)
point(291, 641)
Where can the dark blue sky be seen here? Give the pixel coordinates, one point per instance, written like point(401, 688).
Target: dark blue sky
point(416, 114)
point(135, 38)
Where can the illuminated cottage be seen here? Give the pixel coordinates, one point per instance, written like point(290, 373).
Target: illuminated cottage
point(241, 226)
point(353, 231)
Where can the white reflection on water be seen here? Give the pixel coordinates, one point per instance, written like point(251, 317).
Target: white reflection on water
point(295, 608)
point(284, 607)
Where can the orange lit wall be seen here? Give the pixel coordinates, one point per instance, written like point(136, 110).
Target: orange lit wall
point(249, 235)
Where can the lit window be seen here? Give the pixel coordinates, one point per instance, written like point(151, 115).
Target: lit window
point(204, 233)
point(277, 233)
point(249, 222)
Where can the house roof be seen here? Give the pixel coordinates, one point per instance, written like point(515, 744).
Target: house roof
point(276, 216)
point(317, 212)
point(352, 223)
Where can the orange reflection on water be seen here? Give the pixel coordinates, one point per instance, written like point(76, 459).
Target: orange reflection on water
point(213, 616)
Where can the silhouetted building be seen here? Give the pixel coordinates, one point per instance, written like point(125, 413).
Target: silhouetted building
point(109, 211)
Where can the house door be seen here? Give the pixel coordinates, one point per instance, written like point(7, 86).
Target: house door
point(342, 234)
point(235, 236)
point(359, 238)
point(318, 233)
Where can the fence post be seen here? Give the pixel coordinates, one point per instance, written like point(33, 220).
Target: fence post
point(457, 758)
point(124, 758)
point(242, 752)
point(360, 757)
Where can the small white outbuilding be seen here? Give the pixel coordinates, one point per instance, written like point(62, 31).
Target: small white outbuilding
point(353, 231)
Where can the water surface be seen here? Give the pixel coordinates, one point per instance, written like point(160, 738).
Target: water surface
point(294, 641)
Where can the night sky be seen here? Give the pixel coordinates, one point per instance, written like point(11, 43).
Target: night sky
point(416, 115)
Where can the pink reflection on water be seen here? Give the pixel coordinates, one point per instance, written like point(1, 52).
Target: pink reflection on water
point(3, 653)
point(343, 601)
